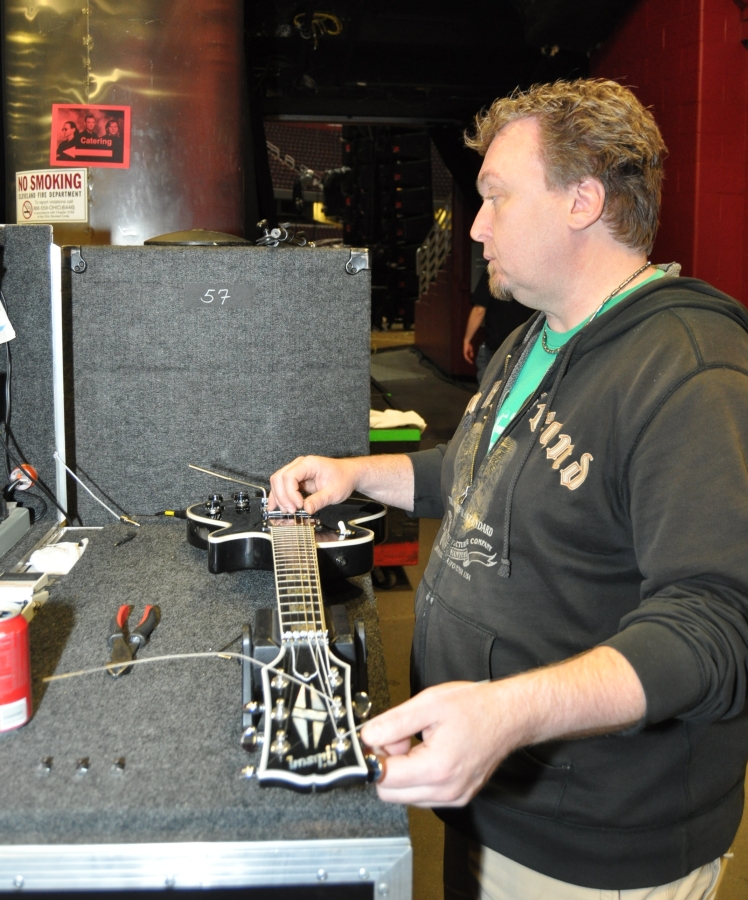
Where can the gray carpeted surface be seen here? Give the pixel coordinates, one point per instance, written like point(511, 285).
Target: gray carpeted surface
point(177, 723)
point(157, 379)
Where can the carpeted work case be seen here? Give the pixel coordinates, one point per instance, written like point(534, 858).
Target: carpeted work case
point(236, 359)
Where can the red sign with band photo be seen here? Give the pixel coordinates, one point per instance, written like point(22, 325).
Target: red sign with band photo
point(90, 136)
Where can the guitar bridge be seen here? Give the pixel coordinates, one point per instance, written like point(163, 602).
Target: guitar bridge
point(280, 514)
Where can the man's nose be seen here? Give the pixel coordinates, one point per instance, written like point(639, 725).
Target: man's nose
point(479, 229)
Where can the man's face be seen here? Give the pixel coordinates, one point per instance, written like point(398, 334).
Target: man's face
point(112, 129)
point(521, 223)
point(67, 131)
point(90, 123)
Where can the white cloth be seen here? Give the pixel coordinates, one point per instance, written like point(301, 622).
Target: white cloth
point(57, 559)
point(393, 418)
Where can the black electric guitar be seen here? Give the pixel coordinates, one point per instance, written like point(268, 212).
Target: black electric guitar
point(307, 730)
point(344, 533)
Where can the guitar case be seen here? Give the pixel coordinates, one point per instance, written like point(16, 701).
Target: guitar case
point(237, 359)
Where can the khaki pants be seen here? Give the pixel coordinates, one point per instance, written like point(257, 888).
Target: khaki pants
point(474, 872)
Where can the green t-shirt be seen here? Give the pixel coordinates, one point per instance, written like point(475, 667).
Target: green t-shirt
point(539, 361)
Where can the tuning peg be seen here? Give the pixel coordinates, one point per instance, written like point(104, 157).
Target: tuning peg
point(254, 708)
point(280, 711)
point(374, 765)
point(281, 744)
point(280, 682)
point(251, 739)
point(361, 706)
point(341, 744)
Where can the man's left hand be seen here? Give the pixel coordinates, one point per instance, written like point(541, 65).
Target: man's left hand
point(468, 728)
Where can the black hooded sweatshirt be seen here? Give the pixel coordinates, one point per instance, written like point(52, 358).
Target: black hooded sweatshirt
point(613, 510)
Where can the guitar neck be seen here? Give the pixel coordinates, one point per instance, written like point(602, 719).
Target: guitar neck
point(297, 583)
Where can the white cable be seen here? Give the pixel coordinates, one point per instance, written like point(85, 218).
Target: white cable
point(107, 508)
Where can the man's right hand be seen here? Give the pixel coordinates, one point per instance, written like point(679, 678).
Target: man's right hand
point(325, 480)
point(387, 478)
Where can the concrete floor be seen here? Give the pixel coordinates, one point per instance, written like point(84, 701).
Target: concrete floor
point(413, 384)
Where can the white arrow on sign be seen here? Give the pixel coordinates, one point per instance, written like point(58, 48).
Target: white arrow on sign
point(81, 151)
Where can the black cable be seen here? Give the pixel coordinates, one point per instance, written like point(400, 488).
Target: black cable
point(38, 515)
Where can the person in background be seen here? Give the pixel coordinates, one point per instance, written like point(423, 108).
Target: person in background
point(113, 134)
point(499, 318)
point(69, 133)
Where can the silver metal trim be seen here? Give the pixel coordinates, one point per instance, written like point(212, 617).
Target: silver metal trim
point(359, 260)
point(384, 862)
point(77, 263)
point(58, 393)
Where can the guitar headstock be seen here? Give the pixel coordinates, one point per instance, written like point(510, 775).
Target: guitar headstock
point(308, 729)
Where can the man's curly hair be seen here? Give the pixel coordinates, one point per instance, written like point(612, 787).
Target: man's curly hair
point(591, 127)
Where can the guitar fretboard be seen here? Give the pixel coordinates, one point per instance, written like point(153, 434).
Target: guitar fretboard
point(297, 578)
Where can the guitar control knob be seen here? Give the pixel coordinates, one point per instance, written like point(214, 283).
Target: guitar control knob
point(241, 501)
point(281, 744)
point(214, 506)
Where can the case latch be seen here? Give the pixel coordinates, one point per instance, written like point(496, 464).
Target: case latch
point(358, 262)
point(77, 263)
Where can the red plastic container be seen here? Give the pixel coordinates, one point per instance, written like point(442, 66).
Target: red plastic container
point(15, 671)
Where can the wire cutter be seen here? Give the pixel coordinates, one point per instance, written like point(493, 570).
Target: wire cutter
point(124, 646)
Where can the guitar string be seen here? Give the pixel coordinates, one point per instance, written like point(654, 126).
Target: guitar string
point(320, 656)
point(205, 654)
point(292, 537)
point(208, 654)
point(211, 654)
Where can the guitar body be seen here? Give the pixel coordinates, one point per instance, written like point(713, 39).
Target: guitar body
point(244, 540)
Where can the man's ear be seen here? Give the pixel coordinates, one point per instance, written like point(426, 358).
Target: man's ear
point(588, 203)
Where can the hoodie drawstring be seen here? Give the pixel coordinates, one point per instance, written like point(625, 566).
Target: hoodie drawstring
point(506, 563)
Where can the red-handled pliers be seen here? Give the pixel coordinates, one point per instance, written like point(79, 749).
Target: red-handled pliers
point(124, 646)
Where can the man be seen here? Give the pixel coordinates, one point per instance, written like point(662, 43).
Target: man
point(499, 320)
point(88, 137)
point(114, 139)
point(581, 637)
point(69, 132)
